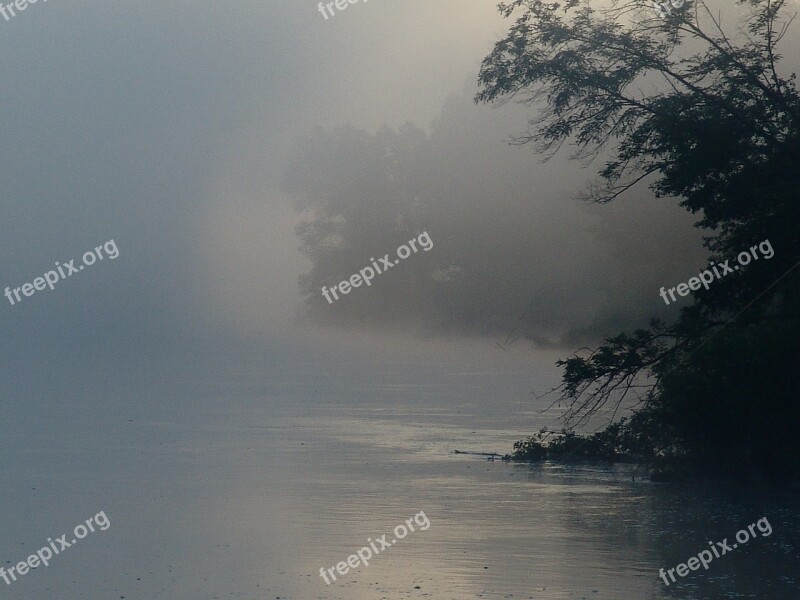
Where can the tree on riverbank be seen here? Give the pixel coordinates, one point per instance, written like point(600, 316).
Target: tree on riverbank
point(702, 114)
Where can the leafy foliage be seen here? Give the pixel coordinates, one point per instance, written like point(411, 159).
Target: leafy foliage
point(566, 445)
point(704, 116)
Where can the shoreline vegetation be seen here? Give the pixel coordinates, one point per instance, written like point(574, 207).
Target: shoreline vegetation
point(617, 444)
point(612, 445)
point(711, 390)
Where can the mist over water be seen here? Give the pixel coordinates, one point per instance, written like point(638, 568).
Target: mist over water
point(238, 431)
point(245, 483)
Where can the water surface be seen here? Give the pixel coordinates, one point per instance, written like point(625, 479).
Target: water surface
point(244, 486)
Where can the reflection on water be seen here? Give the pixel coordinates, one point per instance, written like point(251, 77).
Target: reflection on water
point(517, 531)
point(245, 491)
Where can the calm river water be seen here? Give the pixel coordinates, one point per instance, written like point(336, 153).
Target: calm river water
point(244, 486)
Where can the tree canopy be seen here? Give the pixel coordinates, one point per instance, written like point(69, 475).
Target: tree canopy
point(702, 113)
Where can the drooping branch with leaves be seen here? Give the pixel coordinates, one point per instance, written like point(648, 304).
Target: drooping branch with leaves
point(704, 114)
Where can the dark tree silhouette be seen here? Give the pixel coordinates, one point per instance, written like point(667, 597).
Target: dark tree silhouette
point(698, 113)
